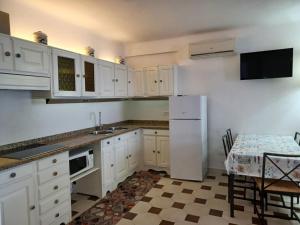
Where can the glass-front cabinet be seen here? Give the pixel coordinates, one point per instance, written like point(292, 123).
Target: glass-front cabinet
point(89, 76)
point(66, 73)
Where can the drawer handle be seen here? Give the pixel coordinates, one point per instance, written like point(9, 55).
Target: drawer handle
point(155, 132)
point(56, 201)
point(54, 161)
point(119, 139)
point(18, 55)
point(108, 142)
point(7, 53)
point(55, 187)
point(135, 132)
point(57, 215)
point(32, 207)
point(12, 175)
point(77, 75)
point(55, 174)
point(111, 165)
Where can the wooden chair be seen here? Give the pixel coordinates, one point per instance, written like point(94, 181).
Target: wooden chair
point(284, 186)
point(241, 182)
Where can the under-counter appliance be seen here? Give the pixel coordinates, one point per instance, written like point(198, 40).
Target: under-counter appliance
point(188, 137)
point(81, 160)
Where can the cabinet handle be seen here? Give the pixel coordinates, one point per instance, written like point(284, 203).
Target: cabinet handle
point(12, 175)
point(155, 81)
point(158, 152)
point(77, 75)
point(160, 81)
point(32, 207)
point(83, 76)
point(55, 174)
point(155, 132)
point(117, 80)
point(7, 53)
point(153, 151)
point(129, 156)
point(55, 187)
point(129, 82)
point(54, 161)
point(119, 139)
point(56, 201)
point(135, 132)
point(111, 165)
point(108, 142)
point(18, 55)
point(57, 215)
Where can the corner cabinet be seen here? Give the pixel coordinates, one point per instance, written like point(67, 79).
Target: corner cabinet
point(18, 202)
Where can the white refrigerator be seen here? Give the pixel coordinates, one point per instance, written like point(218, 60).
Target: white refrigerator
point(188, 137)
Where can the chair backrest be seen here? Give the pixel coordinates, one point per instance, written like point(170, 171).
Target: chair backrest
point(297, 137)
point(230, 139)
point(273, 160)
point(225, 145)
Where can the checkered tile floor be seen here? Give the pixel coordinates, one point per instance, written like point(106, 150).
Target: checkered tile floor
point(176, 202)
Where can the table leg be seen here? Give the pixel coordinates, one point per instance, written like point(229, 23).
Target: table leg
point(231, 191)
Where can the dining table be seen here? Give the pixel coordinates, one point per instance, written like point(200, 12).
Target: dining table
point(246, 158)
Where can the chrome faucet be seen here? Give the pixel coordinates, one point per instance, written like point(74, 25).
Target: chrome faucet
point(100, 123)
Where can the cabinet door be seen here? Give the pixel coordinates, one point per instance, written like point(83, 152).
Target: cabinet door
point(6, 53)
point(149, 150)
point(138, 82)
point(89, 73)
point(120, 80)
point(131, 82)
point(107, 77)
point(66, 73)
point(151, 81)
point(165, 80)
point(31, 58)
point(121, 160)
point(133, 151)
point(108, 168)
point(17, 203)
point(162, 144)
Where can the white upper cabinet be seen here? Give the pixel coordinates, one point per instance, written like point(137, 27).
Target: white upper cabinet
point(151, 79)
point(166, 80)
point(106, 78)
point(31, 58)
point(135, 82)
point(6, 53)
point(131, 82)
point(66, 73)
point(89, 76)
point(120, 80)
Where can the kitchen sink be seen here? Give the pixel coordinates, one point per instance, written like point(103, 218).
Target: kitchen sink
point(98, 132)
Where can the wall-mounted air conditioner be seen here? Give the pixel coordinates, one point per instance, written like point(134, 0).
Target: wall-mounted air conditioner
point(212, 48)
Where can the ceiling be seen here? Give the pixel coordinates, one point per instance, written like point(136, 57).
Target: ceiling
point(144, 20)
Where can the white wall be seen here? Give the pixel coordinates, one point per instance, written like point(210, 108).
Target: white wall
point(256, 106)
point(21, 117)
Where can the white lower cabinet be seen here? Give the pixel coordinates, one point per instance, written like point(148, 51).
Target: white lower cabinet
point(156, 148)
point(54, 190)
point(18, 196)
point(119, 159)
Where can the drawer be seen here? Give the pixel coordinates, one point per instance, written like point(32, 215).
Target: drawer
point(156, 132)
point(16, 173)
point(53, 160)
point(54, 215)
point(53, 172)
point(54, 186)
point(63, 220)
point(107, 142)
point(53, 201)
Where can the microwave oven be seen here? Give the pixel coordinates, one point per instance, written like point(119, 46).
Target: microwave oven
point(81, 160)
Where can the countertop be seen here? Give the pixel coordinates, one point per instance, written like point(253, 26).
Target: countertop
point(76, 141)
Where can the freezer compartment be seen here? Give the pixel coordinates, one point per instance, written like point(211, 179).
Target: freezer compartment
point(186, 107)
point(186, 150)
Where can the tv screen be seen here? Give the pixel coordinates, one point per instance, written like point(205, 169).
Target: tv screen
point(267, 64)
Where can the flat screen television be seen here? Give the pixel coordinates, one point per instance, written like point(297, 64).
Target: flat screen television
point(267, 64)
